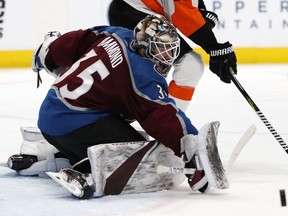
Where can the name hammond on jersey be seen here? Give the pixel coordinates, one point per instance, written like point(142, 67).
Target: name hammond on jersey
point(113, 51)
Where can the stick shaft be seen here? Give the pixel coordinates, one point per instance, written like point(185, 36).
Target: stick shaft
point(258, 111)
point(239, 146)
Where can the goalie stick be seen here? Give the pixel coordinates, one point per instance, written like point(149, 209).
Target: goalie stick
point(258, 111)
point(233, 156)
point(239, 146)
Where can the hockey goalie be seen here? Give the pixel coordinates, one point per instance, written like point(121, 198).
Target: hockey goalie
point(105, 78)
point(125, 167)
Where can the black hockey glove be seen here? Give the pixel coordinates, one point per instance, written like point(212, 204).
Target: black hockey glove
point(222, 57)
point(210, 17)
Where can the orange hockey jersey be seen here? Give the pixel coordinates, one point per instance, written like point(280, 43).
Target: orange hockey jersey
point(184, 14)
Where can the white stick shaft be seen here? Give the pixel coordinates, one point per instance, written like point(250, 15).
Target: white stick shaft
point(239, 146)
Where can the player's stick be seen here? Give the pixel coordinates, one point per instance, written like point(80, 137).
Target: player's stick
point(258, 111)
point(236, 151)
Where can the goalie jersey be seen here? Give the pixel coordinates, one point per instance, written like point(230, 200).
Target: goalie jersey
point(104, 76)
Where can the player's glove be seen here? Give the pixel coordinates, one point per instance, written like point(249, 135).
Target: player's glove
point(222, 57)
point(39, 55)
point(210, 17)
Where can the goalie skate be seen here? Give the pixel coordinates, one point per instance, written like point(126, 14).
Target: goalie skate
point(79, 184)
point(209, 156)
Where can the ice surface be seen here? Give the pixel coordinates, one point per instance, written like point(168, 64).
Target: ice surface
point(258, 174)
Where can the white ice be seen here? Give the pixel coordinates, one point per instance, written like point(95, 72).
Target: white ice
point(258, 174)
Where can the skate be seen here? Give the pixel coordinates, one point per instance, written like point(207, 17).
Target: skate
point(79, 184)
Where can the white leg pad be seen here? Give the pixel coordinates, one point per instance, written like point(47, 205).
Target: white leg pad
point(122, 168)
point(31, 133)
point(41, 148)
point(41, 167)
point(45, 153)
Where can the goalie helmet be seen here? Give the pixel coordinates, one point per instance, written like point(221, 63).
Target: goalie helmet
point(159, 39)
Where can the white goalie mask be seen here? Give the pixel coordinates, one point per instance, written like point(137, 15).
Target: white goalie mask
point(159, 39)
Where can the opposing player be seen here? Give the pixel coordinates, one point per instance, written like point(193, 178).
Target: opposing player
point(110, 76)
point(195, 22)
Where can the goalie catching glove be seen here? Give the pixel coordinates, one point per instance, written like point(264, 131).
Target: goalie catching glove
point(38, 60)
point(39, 55)
point(222, 57)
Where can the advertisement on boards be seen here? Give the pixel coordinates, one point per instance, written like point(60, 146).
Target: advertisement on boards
point(258, 29)
point(252, 23)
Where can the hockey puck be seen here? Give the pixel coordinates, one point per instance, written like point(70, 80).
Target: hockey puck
point(282, 197)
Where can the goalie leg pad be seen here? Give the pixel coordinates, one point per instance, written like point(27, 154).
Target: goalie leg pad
point(31, 133)
point(46, 160)
point(41, 148)
point(41, 167)
point(122, 168)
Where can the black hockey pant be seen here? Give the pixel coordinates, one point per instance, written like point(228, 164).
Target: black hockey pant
point(110, 129)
